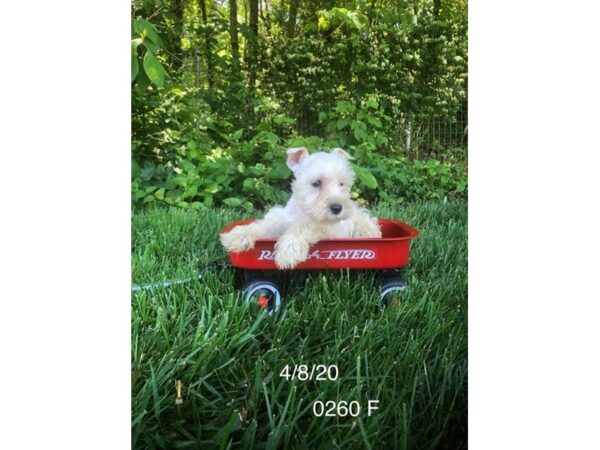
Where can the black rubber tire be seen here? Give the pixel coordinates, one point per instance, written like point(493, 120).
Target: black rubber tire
point(256, 289)
point(390, 289)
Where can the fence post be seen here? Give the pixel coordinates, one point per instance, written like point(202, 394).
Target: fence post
point(197, 67)
point(408, 134)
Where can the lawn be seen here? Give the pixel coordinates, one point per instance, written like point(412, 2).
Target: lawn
point(228, 355)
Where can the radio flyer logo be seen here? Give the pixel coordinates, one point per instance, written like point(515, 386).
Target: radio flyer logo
point(327, 254)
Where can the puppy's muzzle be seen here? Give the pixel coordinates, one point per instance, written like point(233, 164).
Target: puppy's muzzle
point(335, 208)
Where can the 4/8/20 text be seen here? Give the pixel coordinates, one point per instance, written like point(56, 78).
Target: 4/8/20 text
point(305, 372)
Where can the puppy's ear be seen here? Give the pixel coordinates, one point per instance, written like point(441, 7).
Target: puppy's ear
point(295, 156)
point(341, 153)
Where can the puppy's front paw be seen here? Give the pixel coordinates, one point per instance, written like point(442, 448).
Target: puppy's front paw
point(374, 230)
point(289, 252)
point(367, 227)
point(237, 241)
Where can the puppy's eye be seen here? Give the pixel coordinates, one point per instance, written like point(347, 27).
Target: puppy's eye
point(342, 184)
point(317, 183)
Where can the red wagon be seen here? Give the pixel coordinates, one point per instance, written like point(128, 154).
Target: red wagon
point(387, 254)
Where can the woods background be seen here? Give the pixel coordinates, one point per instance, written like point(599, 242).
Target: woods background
point(221, 88)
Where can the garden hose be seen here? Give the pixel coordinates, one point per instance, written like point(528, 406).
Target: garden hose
point(169, 283)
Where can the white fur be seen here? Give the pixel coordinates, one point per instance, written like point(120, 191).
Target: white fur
point(307, 217)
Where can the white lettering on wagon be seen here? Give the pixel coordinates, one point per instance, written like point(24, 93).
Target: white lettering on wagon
point(327, 254)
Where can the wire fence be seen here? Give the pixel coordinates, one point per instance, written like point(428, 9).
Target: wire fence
point(434, 134)
point(419, 137)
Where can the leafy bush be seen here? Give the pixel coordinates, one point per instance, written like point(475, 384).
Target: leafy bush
point(145, 44)
point(405, 180)
point(187, 156)
point(202, 171)
point(358, 126)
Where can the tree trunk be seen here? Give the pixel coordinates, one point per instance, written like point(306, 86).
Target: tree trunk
point(291, 25)
point(372, 12)
point(265, 16)
point(437, 4)
point(177, 52)
point(197, 67)
point(209, 60)
point(246, 9)
point(253, 44)
point(233, 34)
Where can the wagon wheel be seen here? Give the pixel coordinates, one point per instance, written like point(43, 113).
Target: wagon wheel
point(391, 291)
point(263, 293)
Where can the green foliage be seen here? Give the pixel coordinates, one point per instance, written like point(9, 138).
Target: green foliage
point(357, 127)
point(405, 180)
point(195, 159)
point(145, 44)
point(350, 75)
point(415, 70)
point(192, 158)
point(337, 17)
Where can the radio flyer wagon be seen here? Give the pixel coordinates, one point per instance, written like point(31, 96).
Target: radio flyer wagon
point(387, 254)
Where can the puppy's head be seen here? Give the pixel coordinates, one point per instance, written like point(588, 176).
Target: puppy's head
point(322, 183)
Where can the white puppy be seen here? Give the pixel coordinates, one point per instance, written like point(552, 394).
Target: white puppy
point(320, 208)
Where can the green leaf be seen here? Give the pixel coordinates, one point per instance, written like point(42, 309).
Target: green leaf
point(135, 43)
point(147, 30)
point(160, 194)
point(237, 134)
point(188, 166)
point(372, 103)
point(151, 46)
point(281, 119)
point(179, 180)
point(279, 171)
point(374, 121)
point(154, 69)
point(212, 188)
point(232, 201)
point(135, 67)
point(360, 134)
point(365, 176)
point(148, 172)
point(271, 138)
point(142, 82)
point(191, 191)
point(341, 123)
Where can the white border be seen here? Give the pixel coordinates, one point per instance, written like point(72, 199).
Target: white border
point(65, 244)
point(534, 232)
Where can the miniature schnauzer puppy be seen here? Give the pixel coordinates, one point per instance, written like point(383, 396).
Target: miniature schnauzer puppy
point(320, 208)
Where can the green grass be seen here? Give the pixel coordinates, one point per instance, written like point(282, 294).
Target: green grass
point(228, 356)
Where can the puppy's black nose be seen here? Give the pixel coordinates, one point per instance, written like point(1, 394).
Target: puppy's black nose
point(336, 208)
